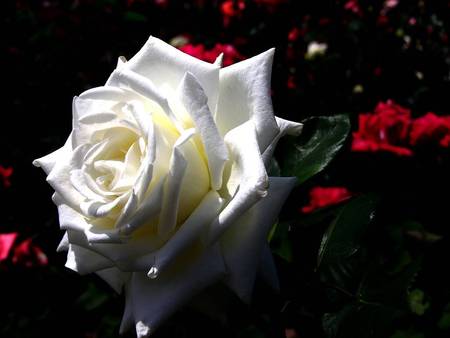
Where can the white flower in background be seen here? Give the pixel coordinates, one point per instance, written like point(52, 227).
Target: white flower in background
point(162, 186)
point(315, 49)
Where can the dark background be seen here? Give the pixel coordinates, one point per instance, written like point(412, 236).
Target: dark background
point(53, 50)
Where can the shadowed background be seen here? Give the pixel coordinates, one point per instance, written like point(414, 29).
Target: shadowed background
point(332, 57)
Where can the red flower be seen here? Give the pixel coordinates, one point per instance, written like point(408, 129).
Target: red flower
point(6, 243)
point(353, 6)
point(270, 5)
point(294, 34)
point(231, 9)
point(28, 254)
point(5, 174)
point(320, 197)
point(431, 129)
point(230, 54)
point(386, 129)
point(291, 83)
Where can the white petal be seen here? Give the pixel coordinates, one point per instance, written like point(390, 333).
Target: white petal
point(195, 101)
point(99, 209)
point(153, 300)
point(147, 211)
point(187, 234)
point(64, 244)
point(106, 93)
point(157, 57)
point(267, 268)
point(128, 210)
point(79, 179)
point(146, 88)
point(219, 60)
point(95, 109)
point(122, 254)
point(96, 118)
point(121, 61)
point(242, 244)
point(85, 261)
point(245, 94)
point(286, 128)
point(62, 154)
point(172, 190)
point(144, 120)
point(252, 175)
point(70, 219)
point(59, 177)
point(114, 277)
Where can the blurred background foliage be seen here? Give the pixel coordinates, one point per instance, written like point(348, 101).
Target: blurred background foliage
point(362, 245)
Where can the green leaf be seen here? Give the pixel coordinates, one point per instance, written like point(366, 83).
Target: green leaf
point(274, 168)
point(251, 332)
point(417, 302)
point(407, 334)
point(92, 298)
point(379, 286)
point(444, 321)
point(313, 150)
point(280, 242)
point(358, 320)
point(135, 17)
point(343, 237)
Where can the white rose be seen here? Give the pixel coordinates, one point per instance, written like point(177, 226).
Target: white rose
point(162, 186)
point(315, 49)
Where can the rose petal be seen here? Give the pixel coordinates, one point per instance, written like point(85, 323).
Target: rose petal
point(85, 261)
point(48, 162)
point(70, 219)
point(172, 190)
point(285, 128)
point(153, 300)
point(6, 244)
point(267, 269)
point(114, 277)
point(147, 211)
point(158, 57)
point(243, 242)
point(95, 109)
point(253, 181)
point(195, 101)
point(146, 88)
point(59, 177)
point(144, 120)
point(245, 94)
point(188, 232)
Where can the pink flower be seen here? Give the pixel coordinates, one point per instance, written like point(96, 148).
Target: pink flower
point(390, 3)
point(320, 197)
point(5, 174)
point(6, 243)
point(386, 129)
point(431, 129)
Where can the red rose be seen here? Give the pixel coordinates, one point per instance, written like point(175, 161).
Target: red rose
point(294, 34)
point(320, 197)
point(231, 9)
point(5, 174)
point(6, 243)
point(353, 6)
point(230, 54)
point(386, 129)
point(28, 254)
point(431, 129)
